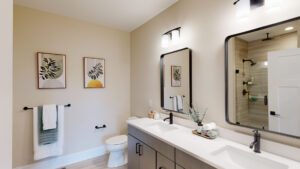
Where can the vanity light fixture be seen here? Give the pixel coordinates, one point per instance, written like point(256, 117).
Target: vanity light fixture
point(289, 28)
point(172, 36)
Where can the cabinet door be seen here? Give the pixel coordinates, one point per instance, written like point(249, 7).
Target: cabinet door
point(147, 157)
point(164, 163)
point(133, 156)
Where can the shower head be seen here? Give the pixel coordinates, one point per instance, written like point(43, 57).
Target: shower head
point(267, 38)
point(249, 60)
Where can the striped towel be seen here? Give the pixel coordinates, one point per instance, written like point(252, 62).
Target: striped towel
point(46, 136)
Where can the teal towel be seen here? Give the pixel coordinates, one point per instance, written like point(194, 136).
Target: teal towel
point(46, 136)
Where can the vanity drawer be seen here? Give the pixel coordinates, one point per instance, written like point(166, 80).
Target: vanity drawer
point(164, 163)
point(161, 147)
point(189, 162)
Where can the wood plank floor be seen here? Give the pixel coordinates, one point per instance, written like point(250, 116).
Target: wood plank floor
point(96, 163)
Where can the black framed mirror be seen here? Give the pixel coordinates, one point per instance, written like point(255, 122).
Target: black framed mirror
point(262, 77)
point(176, 80)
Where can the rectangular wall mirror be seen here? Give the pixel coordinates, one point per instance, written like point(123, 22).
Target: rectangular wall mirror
point(176, 80)
point(263, 78)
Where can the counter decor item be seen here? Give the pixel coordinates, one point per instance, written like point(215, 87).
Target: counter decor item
point(51, 71)
point(151, 115)
point(156, 115)
point(197, 116)
point(94, 72)
point(207, 130)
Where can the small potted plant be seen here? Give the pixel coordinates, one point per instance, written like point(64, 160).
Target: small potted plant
point(197, 116)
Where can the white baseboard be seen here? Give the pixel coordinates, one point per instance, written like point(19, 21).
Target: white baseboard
point(62, 161)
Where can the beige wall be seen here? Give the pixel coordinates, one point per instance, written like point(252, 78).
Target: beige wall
point(205, 25)
point(39, 31)
point(6, 45)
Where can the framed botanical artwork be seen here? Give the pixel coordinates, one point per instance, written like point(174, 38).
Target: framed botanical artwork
point(94, 72)
point(51, 70)
point(176, 76)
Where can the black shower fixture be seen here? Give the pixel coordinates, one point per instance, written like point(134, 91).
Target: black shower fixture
point(268, 37)
point(249, 60)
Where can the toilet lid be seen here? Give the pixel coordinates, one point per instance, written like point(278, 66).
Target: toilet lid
point(117, 140)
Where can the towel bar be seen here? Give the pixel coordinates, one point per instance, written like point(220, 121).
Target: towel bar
point(171, 97)
point(29, 108)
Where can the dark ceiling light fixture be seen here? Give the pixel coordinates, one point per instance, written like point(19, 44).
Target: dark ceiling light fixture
point(257, 3)
point(253, 3)
point(234, 3)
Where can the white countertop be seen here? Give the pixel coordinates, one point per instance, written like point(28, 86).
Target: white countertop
point(201, 148)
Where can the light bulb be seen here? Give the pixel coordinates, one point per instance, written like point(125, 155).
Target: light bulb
point(165, 40)
point(243, 9)
point(289, 28)
point(175, 37)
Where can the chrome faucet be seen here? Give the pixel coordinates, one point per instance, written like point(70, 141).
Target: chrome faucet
point(170, 118)
point(256, 142)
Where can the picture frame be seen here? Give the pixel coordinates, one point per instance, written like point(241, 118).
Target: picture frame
point(176, 74)
point(51, 70)
point(94, 73)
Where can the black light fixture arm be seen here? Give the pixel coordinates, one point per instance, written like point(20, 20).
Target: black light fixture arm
point(169, 32)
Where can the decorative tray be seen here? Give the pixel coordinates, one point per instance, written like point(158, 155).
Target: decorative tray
point(202, 135)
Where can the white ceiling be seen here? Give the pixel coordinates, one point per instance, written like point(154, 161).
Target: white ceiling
point(125, 15)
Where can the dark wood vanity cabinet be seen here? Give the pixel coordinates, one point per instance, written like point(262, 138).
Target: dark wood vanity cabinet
point(140, 156)
point(147, 152)
point(164, 163)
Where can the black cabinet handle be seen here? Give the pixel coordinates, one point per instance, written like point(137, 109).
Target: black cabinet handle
point(140, 150)
point(162, 168)
point(136, 148)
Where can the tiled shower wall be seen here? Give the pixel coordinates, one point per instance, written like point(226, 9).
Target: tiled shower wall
point(241, 52)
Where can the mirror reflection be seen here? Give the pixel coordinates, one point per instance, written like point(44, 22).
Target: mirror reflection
point(264, 79)
point(176, 80)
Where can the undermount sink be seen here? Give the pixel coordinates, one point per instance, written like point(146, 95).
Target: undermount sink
point(246, 160)
point(161, 127)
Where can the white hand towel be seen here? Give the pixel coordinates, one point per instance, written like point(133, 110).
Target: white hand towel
point(175, 106)
point(210, 126)
point(179, 102)
point(49, 150)
point(49, 117)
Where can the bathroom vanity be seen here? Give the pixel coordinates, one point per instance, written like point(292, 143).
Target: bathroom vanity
point(148, 152)
point(157, 144)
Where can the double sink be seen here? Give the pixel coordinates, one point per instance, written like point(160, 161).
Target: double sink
point(227, 155)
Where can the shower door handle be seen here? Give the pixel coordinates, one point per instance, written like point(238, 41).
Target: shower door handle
point(136, 148)
point(273, 113)
point(140, 150)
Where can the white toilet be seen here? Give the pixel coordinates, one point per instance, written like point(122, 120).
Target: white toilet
point(117, 146)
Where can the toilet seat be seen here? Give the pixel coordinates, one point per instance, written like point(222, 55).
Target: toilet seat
point(117, 140)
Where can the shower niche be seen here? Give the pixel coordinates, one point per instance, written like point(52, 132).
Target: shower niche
point(263, 78)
